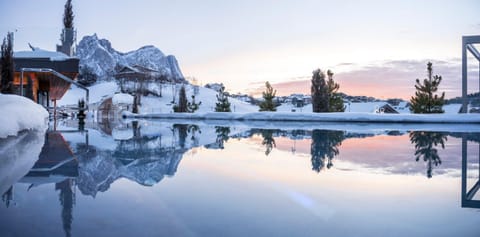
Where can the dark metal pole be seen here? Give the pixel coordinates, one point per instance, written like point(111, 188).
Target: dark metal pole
point(464, 169)
point(464, 76)
point(21, 82)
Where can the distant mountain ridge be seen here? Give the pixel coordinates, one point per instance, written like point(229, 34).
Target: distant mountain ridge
point(97, 56)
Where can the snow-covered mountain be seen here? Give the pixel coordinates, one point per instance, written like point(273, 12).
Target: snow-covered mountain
point(99, 57)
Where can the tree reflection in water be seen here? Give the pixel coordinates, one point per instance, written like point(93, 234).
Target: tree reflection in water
point(268, 140)
point(325, 147)
point(183, 130)
point(425, 147)
point(222, 135)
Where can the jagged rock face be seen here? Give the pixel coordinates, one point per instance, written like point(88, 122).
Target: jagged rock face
point(97, 173)
point(102, 59)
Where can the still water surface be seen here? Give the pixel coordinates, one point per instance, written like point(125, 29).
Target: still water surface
point(152, 178)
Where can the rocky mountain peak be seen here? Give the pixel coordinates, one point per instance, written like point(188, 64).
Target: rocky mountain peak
point(97, 56)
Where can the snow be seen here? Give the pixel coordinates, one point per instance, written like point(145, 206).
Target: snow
point(121, 98)
point(365, 107)
point(161, 107)
point(320, 117)
point(207, 96)
point(40, 53)
point(97, 92)
point(19, 114)
point(122, 134)
point(153, 104)
point(452, 108)
point(18, 155)
point(99, 56)
point(361, 107)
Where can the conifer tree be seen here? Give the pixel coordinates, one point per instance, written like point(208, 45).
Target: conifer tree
point(193, 106)
point(184, 105)
point(319, 91)
point(268, 96)
point(68, 15)
point(424, 101)
point(7, 65)
point(222, 104)
point(181, 107)
point(335, 100)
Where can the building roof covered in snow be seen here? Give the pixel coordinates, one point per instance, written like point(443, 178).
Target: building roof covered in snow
point(40, 53)
point(370, 107)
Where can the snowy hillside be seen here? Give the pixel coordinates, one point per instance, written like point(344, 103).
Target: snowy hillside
point(153, 104)
point(205, 95)
point(99, 57)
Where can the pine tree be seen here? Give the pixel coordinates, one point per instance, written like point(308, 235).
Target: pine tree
point(193, 106)
point(68, 15)
point(424, 101)
point(184, 105)
point(319, 91)
point(335, 100)
point(222, 104)
point(181, 107)
point(7, 65)
point(268, 96)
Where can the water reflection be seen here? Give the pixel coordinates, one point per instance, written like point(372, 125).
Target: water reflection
point(468, 193)
point(91, 161)
point(324, 148)
point(268, 141)
point(222, 134)
point(426, 147)
point(17, 156)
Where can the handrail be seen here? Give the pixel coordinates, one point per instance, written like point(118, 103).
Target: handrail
point(61, 76)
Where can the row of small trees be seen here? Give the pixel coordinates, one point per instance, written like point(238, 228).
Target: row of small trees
point(185, 106)
point(325, 96)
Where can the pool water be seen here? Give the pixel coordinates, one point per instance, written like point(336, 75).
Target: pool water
point(151, 178)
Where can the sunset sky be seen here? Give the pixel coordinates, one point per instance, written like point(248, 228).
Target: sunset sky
point(375, 48)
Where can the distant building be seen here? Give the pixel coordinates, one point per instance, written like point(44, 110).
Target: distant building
point(135, 79)
point(370, 107)
point(214, 86)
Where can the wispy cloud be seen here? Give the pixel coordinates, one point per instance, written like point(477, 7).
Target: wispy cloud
point(390, 79)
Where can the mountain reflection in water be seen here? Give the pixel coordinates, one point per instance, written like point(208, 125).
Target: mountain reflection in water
point(145, 152)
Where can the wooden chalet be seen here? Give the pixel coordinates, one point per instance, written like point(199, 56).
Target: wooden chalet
point(137, 72)
point(43, 87)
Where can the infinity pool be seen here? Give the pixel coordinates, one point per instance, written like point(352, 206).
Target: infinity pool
point(151, 178)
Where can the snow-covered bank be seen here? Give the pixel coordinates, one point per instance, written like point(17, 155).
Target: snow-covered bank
point(18, 155)
point(19, 114)
point(320, 117)
point(337, 126)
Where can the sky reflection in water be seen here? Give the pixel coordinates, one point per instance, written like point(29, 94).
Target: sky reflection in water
point(153, 178)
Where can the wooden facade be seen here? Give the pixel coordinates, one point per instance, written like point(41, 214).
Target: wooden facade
point(44, 87)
